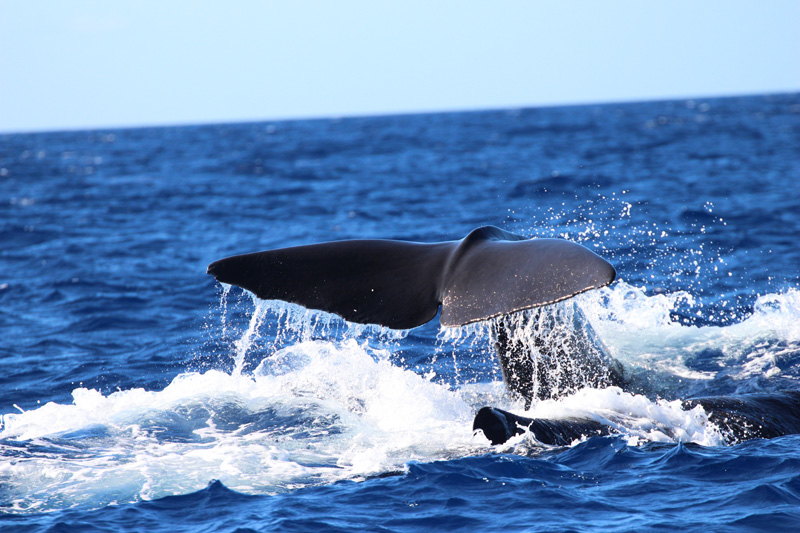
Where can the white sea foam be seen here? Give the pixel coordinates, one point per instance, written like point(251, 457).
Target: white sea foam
point(637, 329)
point(314, 413)
point(636, 416)
point(316, 410)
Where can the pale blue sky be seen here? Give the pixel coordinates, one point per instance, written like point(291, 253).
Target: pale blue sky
point(84, 64)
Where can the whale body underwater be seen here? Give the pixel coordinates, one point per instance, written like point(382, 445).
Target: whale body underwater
point(490, 275)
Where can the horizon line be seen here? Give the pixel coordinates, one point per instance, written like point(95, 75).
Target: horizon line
point(377, 114)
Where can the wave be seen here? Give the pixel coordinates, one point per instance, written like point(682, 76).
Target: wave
point(314, 413)
point(664, 356)
point(316, 410)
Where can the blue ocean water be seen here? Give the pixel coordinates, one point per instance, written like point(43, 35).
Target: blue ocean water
point(138, 394)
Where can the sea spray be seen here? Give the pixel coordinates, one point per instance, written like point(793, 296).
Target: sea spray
point(314, 412)
point(324, 402)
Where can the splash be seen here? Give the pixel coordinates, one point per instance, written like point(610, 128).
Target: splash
point(640, 330)
point(312, 400)
point(668, 254)
point(635, 416)
point(546, 352)
point(253, 329)
point(314, 413)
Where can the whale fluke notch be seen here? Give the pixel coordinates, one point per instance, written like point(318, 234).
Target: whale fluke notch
point(400, 285)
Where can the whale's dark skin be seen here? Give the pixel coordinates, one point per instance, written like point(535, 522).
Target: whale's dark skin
point(748, 416)
point(401, 285)
point(490, 274)
point(564, 341)
point(499, 426)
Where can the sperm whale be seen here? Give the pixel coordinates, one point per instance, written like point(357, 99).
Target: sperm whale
point(489, 274)
point(401, 285)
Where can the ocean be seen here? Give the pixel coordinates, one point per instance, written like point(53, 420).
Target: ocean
point(138, 394)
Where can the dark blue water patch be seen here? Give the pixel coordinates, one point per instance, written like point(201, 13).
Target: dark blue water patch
point(214, 508)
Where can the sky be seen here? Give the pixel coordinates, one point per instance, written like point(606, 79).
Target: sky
point(83, 64)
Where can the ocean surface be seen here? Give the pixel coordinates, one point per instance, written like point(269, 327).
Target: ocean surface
point(137, 394)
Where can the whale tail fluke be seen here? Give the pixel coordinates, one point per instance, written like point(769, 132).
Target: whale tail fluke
point(401, 285)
